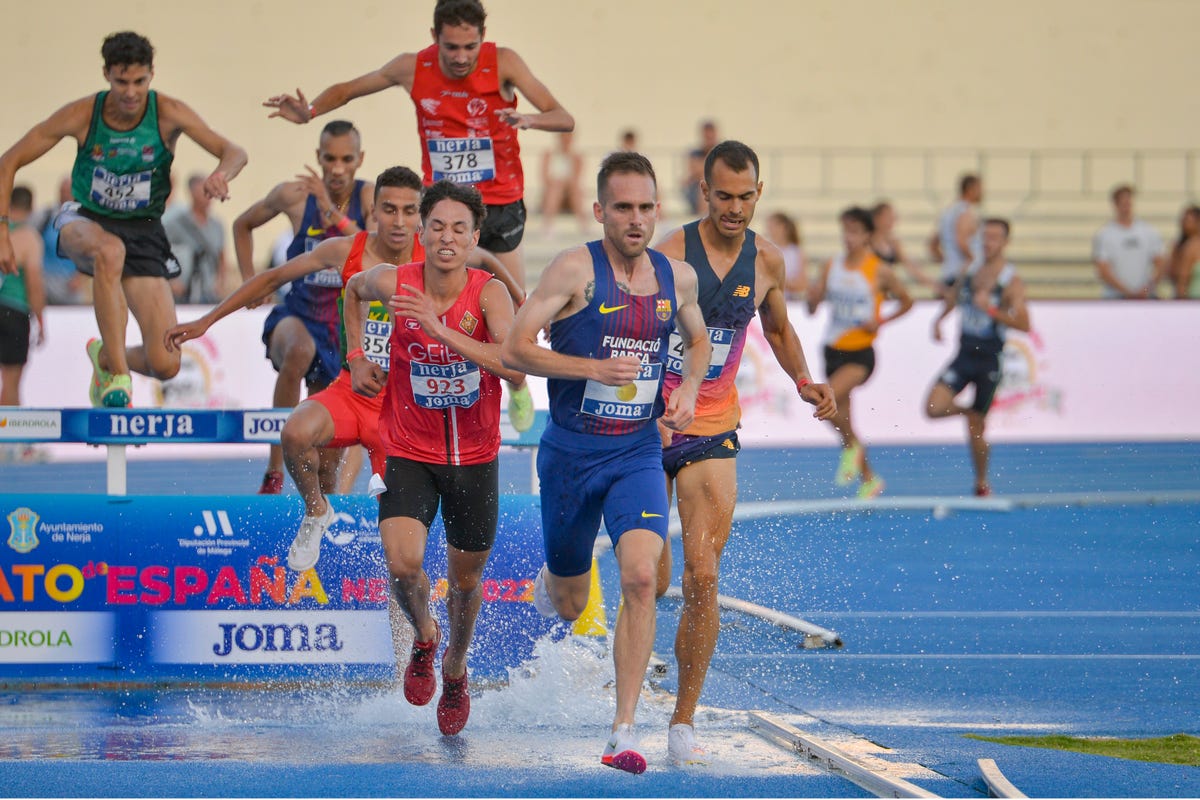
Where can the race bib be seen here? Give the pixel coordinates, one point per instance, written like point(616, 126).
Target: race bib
point(120, 192)
point(721, 340)
point(439, 386)
point(467, 160)
point(376, 346)
point(631, 401)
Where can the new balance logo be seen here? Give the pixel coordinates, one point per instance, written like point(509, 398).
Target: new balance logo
point(211, 522)
point(741, 291)
point(610, 309)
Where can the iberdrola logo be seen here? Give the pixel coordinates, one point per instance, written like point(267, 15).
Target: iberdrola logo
point(23, 522)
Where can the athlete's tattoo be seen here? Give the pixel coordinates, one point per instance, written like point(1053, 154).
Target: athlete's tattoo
point(589, 291)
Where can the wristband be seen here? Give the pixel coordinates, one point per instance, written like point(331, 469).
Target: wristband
point(993, 312)
point(355, 353)
point(800, 384)
point(343, 223)
point(311, 112)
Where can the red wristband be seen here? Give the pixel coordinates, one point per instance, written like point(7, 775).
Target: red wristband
point(342, 224)
point(993, 311)
point(800, 384)
point(355, 353)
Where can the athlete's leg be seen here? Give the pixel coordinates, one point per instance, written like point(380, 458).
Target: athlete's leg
point(307, 428)
point(94, 250)
point(464, 596)
point(707, 496)
point(845, 380)
point(663, 581)
point(10, 384)
point(291, 350)
point(330, 464)
point(940, 402)
point(404, 549)
point(637, 556)
point(351, 465)
point(153, 306)
point(980, 449)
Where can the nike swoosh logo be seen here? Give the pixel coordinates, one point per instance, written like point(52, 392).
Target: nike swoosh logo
point(315, 231)
point(648, 515)
point(610, 309)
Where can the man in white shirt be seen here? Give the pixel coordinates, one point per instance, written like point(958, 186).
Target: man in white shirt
point(1128, 253)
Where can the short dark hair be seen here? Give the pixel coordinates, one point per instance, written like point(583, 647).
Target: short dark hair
point(458, 12)
point(398, 177)
point(1002, 222)
point(737, 156)
point(1120, 189)
point(458, 192)
point(880, 207)
point(967, 182)
point(860, 215)
point(622, 162)
point(341, 127)
point(22, 199)
point(127, 48)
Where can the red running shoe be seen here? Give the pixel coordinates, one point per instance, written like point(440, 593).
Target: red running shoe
point(272, 482)
point(454, 706)
point(419, 681)
point(983, 490)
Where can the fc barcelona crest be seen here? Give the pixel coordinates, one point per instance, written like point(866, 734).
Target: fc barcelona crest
point(23, 522)
point(662, 309)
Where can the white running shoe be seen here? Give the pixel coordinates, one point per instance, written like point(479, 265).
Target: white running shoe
point(541, 595)
point(306, 547)
point(682, 748)
point(621, 752)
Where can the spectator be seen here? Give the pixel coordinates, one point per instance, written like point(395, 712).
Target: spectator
point(562, 191)
point(1129, 255)
point(22, 296)
point(956, 243)
point(629, 142)
point(887, 246)
point(65, 285)
point(198, 242)
point(784, 233)
point(1186, 254)
point(695, 168)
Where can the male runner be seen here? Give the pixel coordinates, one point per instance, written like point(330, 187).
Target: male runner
point(855, 284)
point(464, 92)
point(739, 273)
point(440, 428)
point(991, 299)
point(22, 300)
point(113, 230)
point(301, 333)
point(611, 306)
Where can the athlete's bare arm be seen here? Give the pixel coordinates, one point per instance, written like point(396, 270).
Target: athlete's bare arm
point(964, 230)
point(330, 253)
point(176, 117)
point(1013, 311)
point(697, 350)
point(296, 108)
point(816, 289)
point(779, 333)
point(71, 120)
point(377, 283)
point(561, 292)
point(30, 252)
point(891, 286)
point(286, 198)
point(515, 74)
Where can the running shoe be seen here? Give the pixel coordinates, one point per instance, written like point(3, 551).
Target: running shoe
point(419, 680)
point(520, 408)
point(272, 482)
point(454, 706)
point(117, 392)
point(870, 489)
point(682, 748)
point(621, 752)
point(100, 376)
point(541, 595)
point(850, 465)
point(983, 490)
point(306, 547)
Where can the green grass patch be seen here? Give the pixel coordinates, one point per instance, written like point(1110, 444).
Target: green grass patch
point(1178, 749)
